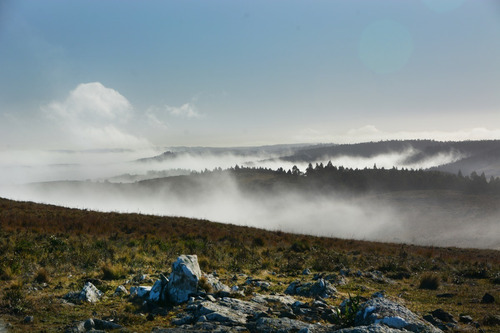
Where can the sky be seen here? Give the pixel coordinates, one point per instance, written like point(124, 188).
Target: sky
point(94, 74)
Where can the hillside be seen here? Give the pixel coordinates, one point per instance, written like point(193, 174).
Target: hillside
point(49, 251)
point(467, 156)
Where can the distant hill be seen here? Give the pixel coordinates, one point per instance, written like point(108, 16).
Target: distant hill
point(264, 151)
point(479, 156)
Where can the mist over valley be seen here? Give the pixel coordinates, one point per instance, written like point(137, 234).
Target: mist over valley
point(382, 195)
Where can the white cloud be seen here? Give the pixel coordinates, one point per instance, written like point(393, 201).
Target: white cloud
point(187, 110)
point(371, 133)
point(94, 116)
point(92, 100)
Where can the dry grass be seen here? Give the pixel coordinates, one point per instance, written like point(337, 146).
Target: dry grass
point(74, 245)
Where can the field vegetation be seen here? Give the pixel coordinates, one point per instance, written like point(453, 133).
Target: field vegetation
point(48, 251)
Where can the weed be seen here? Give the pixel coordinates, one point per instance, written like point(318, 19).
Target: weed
point(346, 313)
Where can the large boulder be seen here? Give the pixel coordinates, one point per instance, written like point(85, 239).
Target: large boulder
point(383, 311)
point(184, 278)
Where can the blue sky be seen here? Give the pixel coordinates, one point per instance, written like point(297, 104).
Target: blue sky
point(103, 74)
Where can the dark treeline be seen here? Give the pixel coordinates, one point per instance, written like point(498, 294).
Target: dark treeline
point(332, 178)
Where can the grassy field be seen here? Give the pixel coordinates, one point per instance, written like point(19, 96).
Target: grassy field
point(47, 251)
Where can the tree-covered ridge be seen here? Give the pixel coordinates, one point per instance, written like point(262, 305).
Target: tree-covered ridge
point(332, 178)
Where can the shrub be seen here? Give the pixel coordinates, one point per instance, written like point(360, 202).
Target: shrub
point(429, 281)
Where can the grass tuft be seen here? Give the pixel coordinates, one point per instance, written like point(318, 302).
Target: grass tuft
point(429, 281)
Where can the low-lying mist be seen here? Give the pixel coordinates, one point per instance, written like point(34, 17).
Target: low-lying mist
point(418, 218)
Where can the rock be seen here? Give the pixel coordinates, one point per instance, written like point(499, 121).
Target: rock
point(377, 276)
point(436, 322)
point(89, 324)
point(488, 299)
point(466, 319)
point(93, 325)
point(284, 300)
point(29, 320)
point(106, 325)
point(184, 278)
point(215, 285)
point(282, 325)
point(202, 327)
point(443, 316)
point(120, 291)
point(375, 328)
point(306, 271)
point(140, 291)
point(159, 291)
point(383, 311)
point(446, 295)
point(320, 288)
point(491, 320)
point(90, 293)
point(227, 311)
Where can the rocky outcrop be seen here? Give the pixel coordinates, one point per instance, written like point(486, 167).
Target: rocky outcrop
point(383, 311)
point(184, 278)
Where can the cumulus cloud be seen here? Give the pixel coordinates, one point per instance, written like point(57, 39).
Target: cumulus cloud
point(92, 99)
point(94, 116)
point(187, 110)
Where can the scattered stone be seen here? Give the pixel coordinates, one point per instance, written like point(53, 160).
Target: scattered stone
point(443, 316)
point(374, 328)
point(90, 293)
point(29, 319)
point(140, 291)
point(491, 320)
point(320, 288)
point(488, 299)
point(184, 278)
point(215, 285)
point(202, 327)
point(446, 295)
point(93, 325)
point(281, 325)
point(378, 276)
point(466, 319)
point(120, 291)
point(306, 271)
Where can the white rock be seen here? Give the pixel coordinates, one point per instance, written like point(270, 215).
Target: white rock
point(184, 278)
point(90, 293)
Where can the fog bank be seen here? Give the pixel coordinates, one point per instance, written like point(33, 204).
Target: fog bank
point(405, 218)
